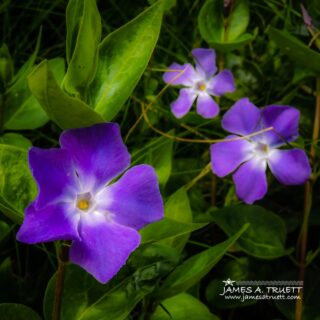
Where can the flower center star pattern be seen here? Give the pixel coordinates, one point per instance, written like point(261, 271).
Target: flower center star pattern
point(200, 84)
point(249, 158)
point(78, 202)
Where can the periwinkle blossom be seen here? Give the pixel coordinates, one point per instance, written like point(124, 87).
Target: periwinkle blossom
point(77, 200)
point(199, 83)
point(249, 157)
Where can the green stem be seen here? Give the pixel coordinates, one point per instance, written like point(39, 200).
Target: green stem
point(213, 193)
point(214, 179)
point(1, 111)
point(62, 261)
point(303, 237)
point(203, 173)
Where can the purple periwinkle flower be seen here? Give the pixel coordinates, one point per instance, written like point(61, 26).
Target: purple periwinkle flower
point(249, 157)
point(77, 200)
point(200, 83)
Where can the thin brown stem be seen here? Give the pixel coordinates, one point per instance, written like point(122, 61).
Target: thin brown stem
point(1, 111)
point(316, 126)
point(302, 245)
point(62, 261)
point(209, 141)
point(303, 237)
point(213, 193)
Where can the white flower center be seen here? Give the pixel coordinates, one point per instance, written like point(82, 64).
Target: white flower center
point(84, 201)
point(201, 86)
point(262, 150)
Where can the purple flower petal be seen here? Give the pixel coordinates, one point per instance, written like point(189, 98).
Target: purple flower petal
point(221, 84)
point(180, 74)
point(242, 118)
point(54, 174)
point(98, 152)
point(135, 198)
point(206, 106)
point(53, 222)
point(205, 60)
point(251, 180)
point(290, 167)
point(284, 120)
point(105, 247)
point(183, 104)
point(227, 156)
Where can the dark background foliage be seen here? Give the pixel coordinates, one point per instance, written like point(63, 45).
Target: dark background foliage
point(262, 72)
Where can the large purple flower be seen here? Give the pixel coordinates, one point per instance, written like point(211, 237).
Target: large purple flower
point(200, 83)
point(78, 202)
point(248, 158)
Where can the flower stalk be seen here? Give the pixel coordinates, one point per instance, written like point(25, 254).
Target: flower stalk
point(62, 261)
point(308, 194)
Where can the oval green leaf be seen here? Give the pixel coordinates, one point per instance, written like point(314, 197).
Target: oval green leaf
point(265, 238)
point(22, 110)
point(178, 208)
point(15, 139)
point(167, 229)
point(65, 111)
point(195, 268)
point(6, 65)
point(123, 57)
point(297, 51)
point(83, 37)
point(183, 306)
point(158, 153)
point(17, 187)
point(224, 34)
point(210, 21)
point(86, 299)
point(238, 20)
point(10, 311)
point(237, 44)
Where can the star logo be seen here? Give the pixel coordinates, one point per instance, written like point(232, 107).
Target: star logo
point(228, 282)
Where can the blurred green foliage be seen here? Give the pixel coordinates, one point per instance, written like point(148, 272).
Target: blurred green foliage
point(57, 73)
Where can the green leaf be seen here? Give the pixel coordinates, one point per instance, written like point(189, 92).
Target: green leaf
point(159, 155)
point(17, 187)
point(183, 306)
point(4, 230)
point(167, 4)
point(27, 66)
point(10, 212)
point(311, 288)
point(86, 299)
point(297, 51)
point(224, 34)
point(178, 208)
point(238, 20)
point(65, 111)
point(123, 57)
point(193, 269)
point(10, 311)
point(83, 37)
point(167, 229)
point(22, 110)
point(265, 238)
point(8, 280)
point(15, 139)
point(229, 46)
point(210, 21)
point(6, 65)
